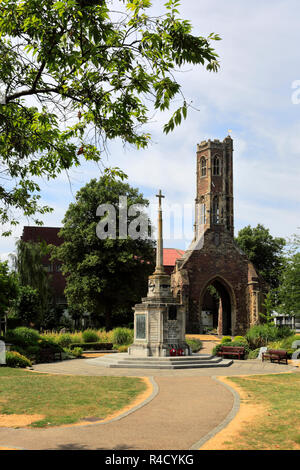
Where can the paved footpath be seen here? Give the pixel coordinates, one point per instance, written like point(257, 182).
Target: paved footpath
point(189, 405)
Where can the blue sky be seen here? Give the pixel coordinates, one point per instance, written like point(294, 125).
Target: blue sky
point(251, 95)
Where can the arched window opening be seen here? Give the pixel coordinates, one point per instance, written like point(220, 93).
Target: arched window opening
point(216, 308)
point(216, 210)
point(202, 211)
point(203, 166)
point(216, 166)
point(202, 219)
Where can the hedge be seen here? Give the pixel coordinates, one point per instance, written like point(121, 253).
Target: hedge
point(90, 336)
point(93, 346)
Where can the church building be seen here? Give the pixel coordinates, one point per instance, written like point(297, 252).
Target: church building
point(214, 279)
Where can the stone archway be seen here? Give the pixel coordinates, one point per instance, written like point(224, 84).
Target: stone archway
point(219, 305)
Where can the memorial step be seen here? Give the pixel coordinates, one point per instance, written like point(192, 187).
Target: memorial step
point(175, 363)
point(193, 357)
point(223, 363)
point(124, 361)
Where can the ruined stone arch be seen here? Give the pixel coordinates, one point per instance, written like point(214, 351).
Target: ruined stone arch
point(227, 310)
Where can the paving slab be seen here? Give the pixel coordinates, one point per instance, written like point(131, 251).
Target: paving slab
point(92, 367)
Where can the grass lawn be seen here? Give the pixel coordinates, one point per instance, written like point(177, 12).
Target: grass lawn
point(279, 426)
point(64, 399)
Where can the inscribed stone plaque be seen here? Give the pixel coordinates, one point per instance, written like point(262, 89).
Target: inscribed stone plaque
point(140, 323)
point(172, 331)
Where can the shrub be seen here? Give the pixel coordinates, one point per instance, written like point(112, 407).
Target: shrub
point(105, 336)
point(19, 349)
point(217, 349)
point(285, 343)
point(15, 359)
point(95, 346)
point(253, 354)
point(90, 336)
point(123, 348)
point(240, 339)
point(240, 344)
point(32, 352)
point(49, 336)
point(122, 336)
point(284, 332)
point(226, 339)
point(50, 344)
point(75, 352)
point(260, 335)
point(195, 344)
point(22, 336)
point(291, 339)
point(64, 340)
point(77, 338)
point(275, 345)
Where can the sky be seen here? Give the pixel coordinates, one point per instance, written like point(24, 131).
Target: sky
point(256, 95)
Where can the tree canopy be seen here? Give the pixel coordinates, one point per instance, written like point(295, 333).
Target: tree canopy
point(289, 289)
point(34, 280)
point(27, 307)
point(108, 275)
point(8, 288)
point(76, 73)
point(264, 251)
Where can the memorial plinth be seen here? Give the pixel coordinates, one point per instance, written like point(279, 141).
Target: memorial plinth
point(159, 321)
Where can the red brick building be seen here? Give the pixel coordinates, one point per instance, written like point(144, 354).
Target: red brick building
point(213, 258)
point(170, 256)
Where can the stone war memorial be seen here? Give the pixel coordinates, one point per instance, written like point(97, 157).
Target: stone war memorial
point(160, 327)
point(159, 322)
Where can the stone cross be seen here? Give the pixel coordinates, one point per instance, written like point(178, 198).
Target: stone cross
point(160, 196)
point(159, 249)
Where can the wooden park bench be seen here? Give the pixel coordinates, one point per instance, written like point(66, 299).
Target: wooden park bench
point(275, 355)
point(48, 355)
point(232, 351)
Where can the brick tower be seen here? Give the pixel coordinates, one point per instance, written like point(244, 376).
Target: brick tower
point(213, 258)
point(214, 194)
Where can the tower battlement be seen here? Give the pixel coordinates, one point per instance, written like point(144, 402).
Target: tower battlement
point(211, 143)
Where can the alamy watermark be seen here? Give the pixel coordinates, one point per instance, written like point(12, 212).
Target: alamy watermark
point(296, 94)
point(133, 221)
point(2, 353)
point(2, 93)
point(296, 354)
